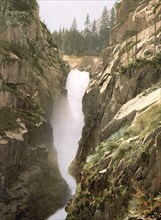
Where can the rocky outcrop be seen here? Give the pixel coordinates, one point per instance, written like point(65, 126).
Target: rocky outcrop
point(120, 181)
point(118, 153)
point(123, 77)
point(103, 101)
point(89, 64)
point(31, 176)
point(133, 17)
point(32, 78)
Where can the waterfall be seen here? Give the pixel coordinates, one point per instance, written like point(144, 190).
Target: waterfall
point(68, 122)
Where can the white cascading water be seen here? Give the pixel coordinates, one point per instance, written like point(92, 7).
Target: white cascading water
point(67, 127)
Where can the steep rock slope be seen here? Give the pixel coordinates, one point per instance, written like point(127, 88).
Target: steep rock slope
point(32, 77)
point(119, 152)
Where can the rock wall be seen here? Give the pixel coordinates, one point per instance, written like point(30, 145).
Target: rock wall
point(118, 153)
point(32, 78)
point(134, 16)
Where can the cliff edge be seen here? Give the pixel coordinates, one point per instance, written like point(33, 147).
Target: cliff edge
point(119, 152)
point(32, 78)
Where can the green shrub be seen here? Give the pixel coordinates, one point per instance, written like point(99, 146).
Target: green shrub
point(8, 88)
point(31, 53)
point(149, 120)
point(116, 144)
point(16, 13)
point(129, 34)
point(131, 131)
point(122, 150)
point(7, 120)
point(23, 5)
point(29, 116)
point(108, 145)
point(141, 62)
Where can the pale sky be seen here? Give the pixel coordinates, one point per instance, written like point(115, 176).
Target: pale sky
point(61, 13)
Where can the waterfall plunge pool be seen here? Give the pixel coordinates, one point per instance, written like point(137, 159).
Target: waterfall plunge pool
point(68, 121)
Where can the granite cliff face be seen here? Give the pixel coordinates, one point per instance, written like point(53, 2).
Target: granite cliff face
point(119, 152)
point(32, 78)
point(134, 16)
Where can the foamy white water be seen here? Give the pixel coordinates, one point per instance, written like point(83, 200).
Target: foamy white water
point(68, 122)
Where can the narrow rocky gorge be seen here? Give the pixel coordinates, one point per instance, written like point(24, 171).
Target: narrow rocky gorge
point(118, 162)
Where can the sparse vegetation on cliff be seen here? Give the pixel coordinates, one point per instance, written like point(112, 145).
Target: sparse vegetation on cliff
point(9, 116)
point(118, 142)
point(119, 153)
point(32, 77)
point(31, 52)
point(142, 62)
point(101, 180)
point(7, 120)
point(15, 13)
point(8, 88)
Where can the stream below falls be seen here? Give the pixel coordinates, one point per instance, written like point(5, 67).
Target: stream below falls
point(68, 121)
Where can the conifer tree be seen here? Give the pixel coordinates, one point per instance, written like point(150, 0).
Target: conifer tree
point(87, 34)
point(113, 17)
point(94, 39)
point(104, 29)
point(87, 22)
point(74, 25)
point(94, 29)
point(105, 18)
point(87, 42)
